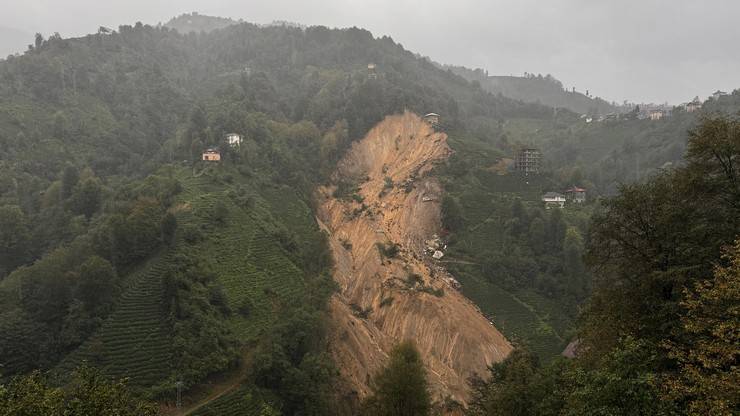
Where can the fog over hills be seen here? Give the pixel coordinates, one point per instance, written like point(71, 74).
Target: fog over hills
point(640, 51)
point(209, 216)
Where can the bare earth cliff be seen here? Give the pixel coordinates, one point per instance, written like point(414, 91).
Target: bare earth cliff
point(387, 299)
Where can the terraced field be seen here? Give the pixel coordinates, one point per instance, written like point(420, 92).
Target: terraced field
point(240, 402)
point(516, 319)
point(133, 342)
point(242, 249)
point(256, 273)
point(486, 199)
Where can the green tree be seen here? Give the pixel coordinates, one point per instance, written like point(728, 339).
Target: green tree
point(89, 393)
point(572, 261)
point(401, 388)
point(169, 227)
point(30, 395)
point(14, 238)
point(624, 382)
point(452, 218)
point(657, 238)
point(537, 236)
point(508, 392)
point(709, 377)
point(97, 285)
point(70, 177)
point(137, 234)
point(86, 197)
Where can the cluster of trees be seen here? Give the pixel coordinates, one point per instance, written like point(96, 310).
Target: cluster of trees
point(541, 251)
point(538, 89)
point(401, 388)
point(61, 299)
point(533, 249)
point(196, 308)
point(659, 334)
point(89, 393)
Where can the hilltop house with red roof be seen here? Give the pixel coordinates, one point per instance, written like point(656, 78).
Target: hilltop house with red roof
point(575, 194)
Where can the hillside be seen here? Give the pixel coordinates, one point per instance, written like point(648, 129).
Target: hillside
point(122, 248)
point(537, 89)
point(385, 297)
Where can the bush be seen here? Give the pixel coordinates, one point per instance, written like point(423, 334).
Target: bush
point(388, 250)
point(220, 213)
point(413, 279)
point(386, 302)
point(192, 234)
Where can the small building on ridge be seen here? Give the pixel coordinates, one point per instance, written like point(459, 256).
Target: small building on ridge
point(212, 155)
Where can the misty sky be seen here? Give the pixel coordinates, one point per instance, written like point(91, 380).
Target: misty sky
point(639, 50)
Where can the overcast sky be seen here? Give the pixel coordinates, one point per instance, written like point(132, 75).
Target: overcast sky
point(638, 50)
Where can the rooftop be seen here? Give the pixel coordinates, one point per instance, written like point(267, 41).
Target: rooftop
point(552, 195)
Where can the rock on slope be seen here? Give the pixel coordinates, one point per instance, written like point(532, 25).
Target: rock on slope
point(385, 300)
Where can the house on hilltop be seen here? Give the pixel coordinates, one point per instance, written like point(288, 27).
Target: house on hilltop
point(553, 200)
point(655, 115)
point(371, 73)
point(432, 119)
point(234, 139)
point(212, 155)
point(528, 160)
point(718, 94)
point(694, 105)
point(575, 194)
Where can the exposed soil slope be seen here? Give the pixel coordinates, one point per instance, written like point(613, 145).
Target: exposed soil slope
point(386, 300)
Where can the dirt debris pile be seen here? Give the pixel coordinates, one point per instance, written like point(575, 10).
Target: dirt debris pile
point(391, 289)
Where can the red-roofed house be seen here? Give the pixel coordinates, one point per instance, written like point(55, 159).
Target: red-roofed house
point(576, 194)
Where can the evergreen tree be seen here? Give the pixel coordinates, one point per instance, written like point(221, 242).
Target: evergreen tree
point(400, 389)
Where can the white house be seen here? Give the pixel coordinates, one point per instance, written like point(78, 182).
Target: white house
point(432, 119)
point(694, 105)
point(656, 114)
point(234, 139)
point(371, 74)
point(553, 200)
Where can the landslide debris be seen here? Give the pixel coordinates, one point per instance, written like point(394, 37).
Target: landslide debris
point(381, 214)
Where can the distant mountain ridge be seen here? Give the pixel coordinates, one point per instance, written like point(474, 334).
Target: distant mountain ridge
point(540, 89)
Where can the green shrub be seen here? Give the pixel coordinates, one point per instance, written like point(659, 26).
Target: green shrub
point(388, 250)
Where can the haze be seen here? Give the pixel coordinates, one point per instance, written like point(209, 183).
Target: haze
point(642, 51)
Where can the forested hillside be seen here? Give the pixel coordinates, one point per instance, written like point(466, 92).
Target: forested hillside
point(194, 22)
point(122, 249)
point(533, 88)
point(659, 333)
point(120, 246)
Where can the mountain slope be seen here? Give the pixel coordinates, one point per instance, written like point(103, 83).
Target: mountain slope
point(537, 89)
point(384, 297)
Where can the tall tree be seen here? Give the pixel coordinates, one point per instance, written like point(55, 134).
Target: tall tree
point(709, 377)
point(401, 388)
